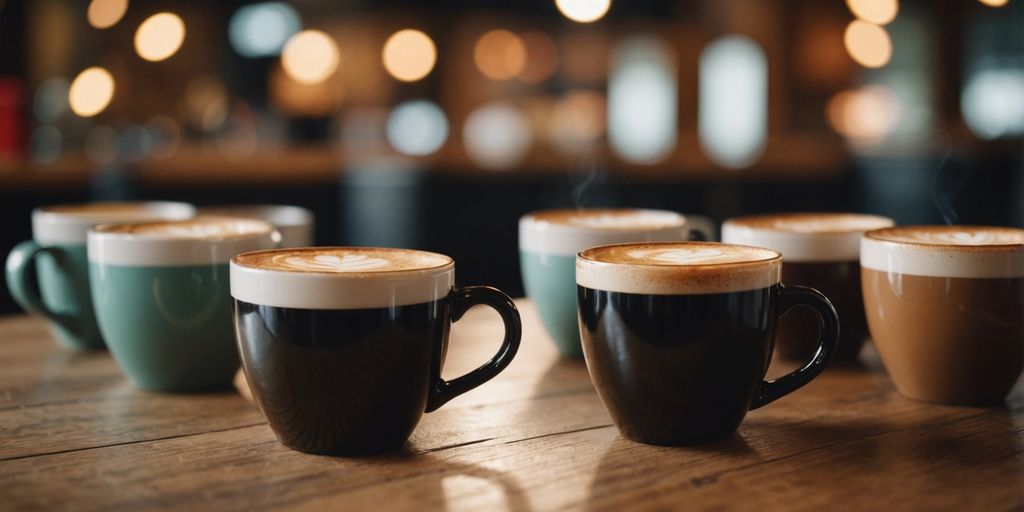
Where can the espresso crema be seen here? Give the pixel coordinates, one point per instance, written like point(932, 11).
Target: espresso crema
point(343, 260)
point(677, 268)
point(956, 236)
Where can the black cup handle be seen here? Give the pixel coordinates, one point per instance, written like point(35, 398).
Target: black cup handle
point(462, 299)
point(696, 235)
point(828, 338)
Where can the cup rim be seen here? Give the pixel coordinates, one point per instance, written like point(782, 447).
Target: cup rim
point(443, 267)
point(880, 236)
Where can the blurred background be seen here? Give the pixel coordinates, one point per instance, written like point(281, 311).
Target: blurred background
point(436, 124)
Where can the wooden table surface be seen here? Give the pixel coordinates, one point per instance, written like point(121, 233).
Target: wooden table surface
point(74, 434)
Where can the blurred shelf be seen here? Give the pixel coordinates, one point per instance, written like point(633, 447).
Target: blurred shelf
point(792, 158)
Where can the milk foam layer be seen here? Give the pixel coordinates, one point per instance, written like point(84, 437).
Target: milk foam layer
point(946, 251)
point(341, 277)
point(342, 260)
point(203, 227)
point(805, 237)
point(677, 268)
point(566, 232)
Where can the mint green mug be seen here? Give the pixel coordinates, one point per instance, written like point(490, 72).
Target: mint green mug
point(550, 239)
point(49, 274)
point(163, 300)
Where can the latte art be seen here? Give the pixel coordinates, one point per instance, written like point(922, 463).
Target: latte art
point(684, 256)
point(329, 262)
point(343, 260)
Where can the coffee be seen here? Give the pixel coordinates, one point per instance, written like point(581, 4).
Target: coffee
point(820, 250)
point(162, 299)
point(349, 259)
point(56, 260)
point(549, 241)
point(343, 347)
point(945, 305)
point(678, 336)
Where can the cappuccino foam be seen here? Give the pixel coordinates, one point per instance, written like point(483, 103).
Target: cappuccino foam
point(339, 260)
point(341, 277)
point(566, 232)
point(945, 251)
point(805, 237)
point(677, 268)
point(201, 228)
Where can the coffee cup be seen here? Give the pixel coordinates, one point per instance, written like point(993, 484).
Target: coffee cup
point(945, 305)
point(343, 347)
point(49, 274)
point(820, 250)
point(549, 241)
point(677, 336)
point(161, 294)
point(295, 223)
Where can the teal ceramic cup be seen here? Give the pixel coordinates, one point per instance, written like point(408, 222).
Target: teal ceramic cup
point(550, 239)
point(49, 274)
point(162, 297)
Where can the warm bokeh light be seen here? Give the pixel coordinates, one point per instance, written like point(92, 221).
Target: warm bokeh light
point(260, 30)
point(91, 92)
point(583, 11)
point(865, 115)
point(868, 44)
point(541, 57)
point(878, 12)
point(994, 3)
point(579, 120)
point(499, 55)
point(310, 57)
point(160, 36)
point(106, 13)
point(409, 55)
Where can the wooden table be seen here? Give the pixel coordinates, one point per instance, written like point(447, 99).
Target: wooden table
point(74, 434)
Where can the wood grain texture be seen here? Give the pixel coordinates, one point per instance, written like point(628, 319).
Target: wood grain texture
point(75, 435)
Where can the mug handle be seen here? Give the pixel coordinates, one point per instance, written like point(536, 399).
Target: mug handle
point(441, 391)
point(828, 338)
point(20, 269)
point(696, 235)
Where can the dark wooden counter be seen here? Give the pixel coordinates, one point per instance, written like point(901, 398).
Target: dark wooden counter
point(74, 434)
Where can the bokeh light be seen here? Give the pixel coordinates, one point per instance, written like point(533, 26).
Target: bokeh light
point(296, 98)
point(417, 128)
point(578, 121)
point(992, 103)
point(642, 101)
point(499, 55)
point(866, 115)
point(541, 57)
point(994, 3)
point(583, 11)
point(260, 30)
point(91, 91)
point(879, 12)
point(310, 56)
point(106, 13)
point(160, 36)
point(51, 100)
point(497, 136)
point(868, 44)
point(409, 55)
point(206, 102)
point(733, 109)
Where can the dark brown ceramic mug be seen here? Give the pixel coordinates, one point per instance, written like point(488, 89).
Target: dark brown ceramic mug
point(819, 250)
